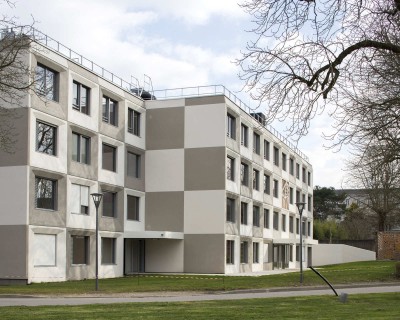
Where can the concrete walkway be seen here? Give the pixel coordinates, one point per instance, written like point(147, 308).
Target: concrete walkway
point(194, 296)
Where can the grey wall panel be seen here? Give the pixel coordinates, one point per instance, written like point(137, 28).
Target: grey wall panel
point(164, 211)
point(13, 252)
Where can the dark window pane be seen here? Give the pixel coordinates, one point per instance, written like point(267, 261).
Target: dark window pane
point(46, 138)
point(133, 208)
point(108, 250)
point(80, 250)
point(109, 204)
point(109, 158)
point(45, 193)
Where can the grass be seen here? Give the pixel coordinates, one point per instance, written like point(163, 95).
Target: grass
point(368, 306)
point(360, 272)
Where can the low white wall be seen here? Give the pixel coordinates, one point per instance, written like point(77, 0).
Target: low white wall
point(324, 254)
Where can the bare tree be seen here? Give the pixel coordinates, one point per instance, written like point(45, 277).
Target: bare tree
point(314, 56)
point(15, 76)
point(380, 186)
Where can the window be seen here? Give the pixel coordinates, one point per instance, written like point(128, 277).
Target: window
point(297, 196)
point(244, 135)
point(134, 122)
point(80, 199)
point(291, 194)
point(256, 179)
point(109, 158)
point(80, 97)
point(45, 193)
point(110, 111)
point(276, 156)
point(109, 204)
point(291, 166)
point(256, 252)
point(303, 228)
point(309, 229)
point(244, 252)
point(231, 126)
point(256, 216)
point(80, 148)
point(297, 171)
point(297, 226)
point(46, 138)
point(291, 219)
point(297, 253)
point(276, 188)
point(132, 211)
point(108, 250)
point(230, 251)
point(267, 184)
point(230, 210)
point(291, 253)
point(256, 143)
point(309, 178)
point(303, 197)
point(244, 174)
point(230, 168)
point(276, 221)
point(284, 160)
point(303, 174)
point(46, 82)
point(309, 203)
point(44, 250)
point(266, 150)
point(266, 218)
point(133, 165)
point(80, 250)
point(284, 222)
point(243, 213)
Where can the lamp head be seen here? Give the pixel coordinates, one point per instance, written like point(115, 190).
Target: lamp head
point(97, 198)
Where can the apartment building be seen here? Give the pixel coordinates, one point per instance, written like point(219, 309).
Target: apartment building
point(191, 183)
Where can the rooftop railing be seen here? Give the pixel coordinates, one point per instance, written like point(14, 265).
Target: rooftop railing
point(134, 88)
point(52, 44)
point(213, 90)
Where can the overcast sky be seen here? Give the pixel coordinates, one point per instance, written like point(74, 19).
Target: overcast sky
point(178, 43)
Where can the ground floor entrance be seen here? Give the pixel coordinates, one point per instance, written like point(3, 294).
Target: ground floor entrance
point(134, 256)
point(281, 256)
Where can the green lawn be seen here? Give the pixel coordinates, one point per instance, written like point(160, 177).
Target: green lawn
point(368, 306)
point(373, 271)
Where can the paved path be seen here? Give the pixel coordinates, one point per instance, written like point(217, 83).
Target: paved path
point(184, 296)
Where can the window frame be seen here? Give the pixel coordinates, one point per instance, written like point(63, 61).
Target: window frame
point(256, 216)
point(230, 252)
point(81, 206)
point(244, 135)
point(266, 149)
point(266, 219)
point(291, 224)
point(244, 213)
point(113, 206)
point(136, 215)
point(54, 194)
point(275, 221)
point(134, 119)
point(78, 106)
point(50, 92)
point(113, 253)
point(86, 250)
point(230, 126)
point(137, 158)
point(256, 143)
point(276, 156)
point(267, 184)
point(244, 174)
point(114, 157)
point(256, 252)
point(256, 179)
point(230, 168)
point(230, 210)
point(244, 252)
point(80, 145)
point(284, 161)
point(275, 190)
point(107, 115)
point(54, 138)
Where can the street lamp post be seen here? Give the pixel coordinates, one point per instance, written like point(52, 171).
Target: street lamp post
point(97, 199)
point(300, 207)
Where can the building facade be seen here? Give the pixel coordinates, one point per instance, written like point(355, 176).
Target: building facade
point(190, 184)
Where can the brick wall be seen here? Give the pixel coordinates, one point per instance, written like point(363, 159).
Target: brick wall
point(389, 245)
